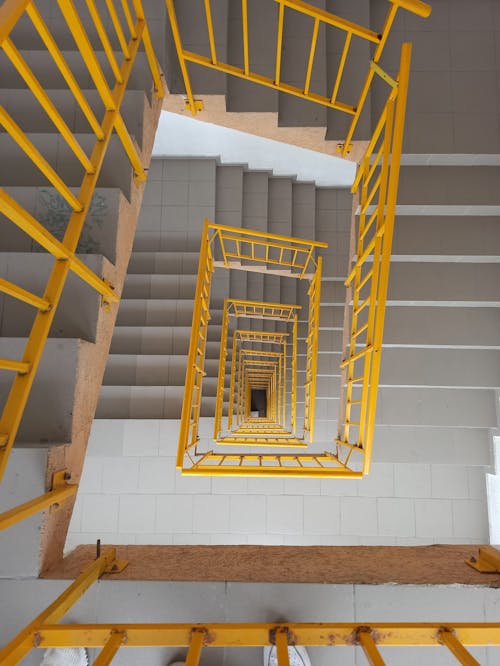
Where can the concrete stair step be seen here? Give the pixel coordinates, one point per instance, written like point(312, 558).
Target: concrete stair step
point(169, 286)
point(28, 113)
point(159, 312)
point(145, 402)
point(152, 369)
point(165, 263)
point(160, 340)
point(193, 28)
point(356, 68)
point(442, 326)
point(297, 33)
point(42, 65)
point(48, 418)
point(450, 282)
point(262, 32)
point(16, 169)
point(438, 407)
point(333, 219)
point(449, 186)
point(428, 445)
point(153, 241)
point(280, 205)
point(229, 211)
point(50, 209)
point(229, 194)
point(79, 307)
point(460, 368)
point(463, 238)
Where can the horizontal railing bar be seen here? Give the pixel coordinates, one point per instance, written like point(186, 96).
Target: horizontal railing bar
point(266, 81)
point(36, 157)
point(356, 356)
point(62, 65)
point(22, 295)
point(14, 366)
point(46, 103)
point(332, 19)
point(259, 634)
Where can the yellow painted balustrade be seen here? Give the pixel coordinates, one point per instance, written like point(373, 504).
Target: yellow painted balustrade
point(130, 28)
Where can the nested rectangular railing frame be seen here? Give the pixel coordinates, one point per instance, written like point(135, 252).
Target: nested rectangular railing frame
point(260, 373)
point(250, 310)
point(293, 257)
point(45, 631)
point(320, 17)
point(369, 278)
point(64, 252)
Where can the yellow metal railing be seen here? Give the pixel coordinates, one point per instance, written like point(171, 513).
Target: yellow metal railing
point(319, 18)
point(243, 249)
point(284, 255)
point(191, 404)
point(47, 632)
point(312, 352)
point(241, 336)
point(377, 182)
point(278, 416)
point(131, 32)
point(249, 310)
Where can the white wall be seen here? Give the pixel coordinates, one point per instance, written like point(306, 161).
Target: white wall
point(183, 136)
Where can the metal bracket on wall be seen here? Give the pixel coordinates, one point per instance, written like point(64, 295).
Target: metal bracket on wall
point(105, 302)
point(340, 148)
point(487, 561)
point(198, 105)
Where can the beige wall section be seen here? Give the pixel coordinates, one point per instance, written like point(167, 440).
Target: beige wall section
point(372, 565)
point(263, 124)
point(92, 360)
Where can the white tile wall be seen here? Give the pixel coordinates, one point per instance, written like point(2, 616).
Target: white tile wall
point(130, 492)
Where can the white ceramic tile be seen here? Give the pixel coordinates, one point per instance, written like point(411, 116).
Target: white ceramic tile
point(106, 438)
point(285, 515)
point(412, 480)
point(433, 519)
point(339, 487)
point(302, 487)
point(449, 481)
point(358, 516)
point(192, 484)
point(100, 513)
point(321, 515)
point(137, 513)
point(120, 475)
point(156, 475)
point(229, 485)
point(210, 513)
point(470, 519)
point(174, 513)
point(396, 517)
point(379, 483)
point(91, 481)
point(140, 437)
point(247, 514)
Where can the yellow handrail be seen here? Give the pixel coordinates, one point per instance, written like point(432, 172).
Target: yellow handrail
point(368, 280)
point(320, 18)
point(64, 252)
point(252, 368)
